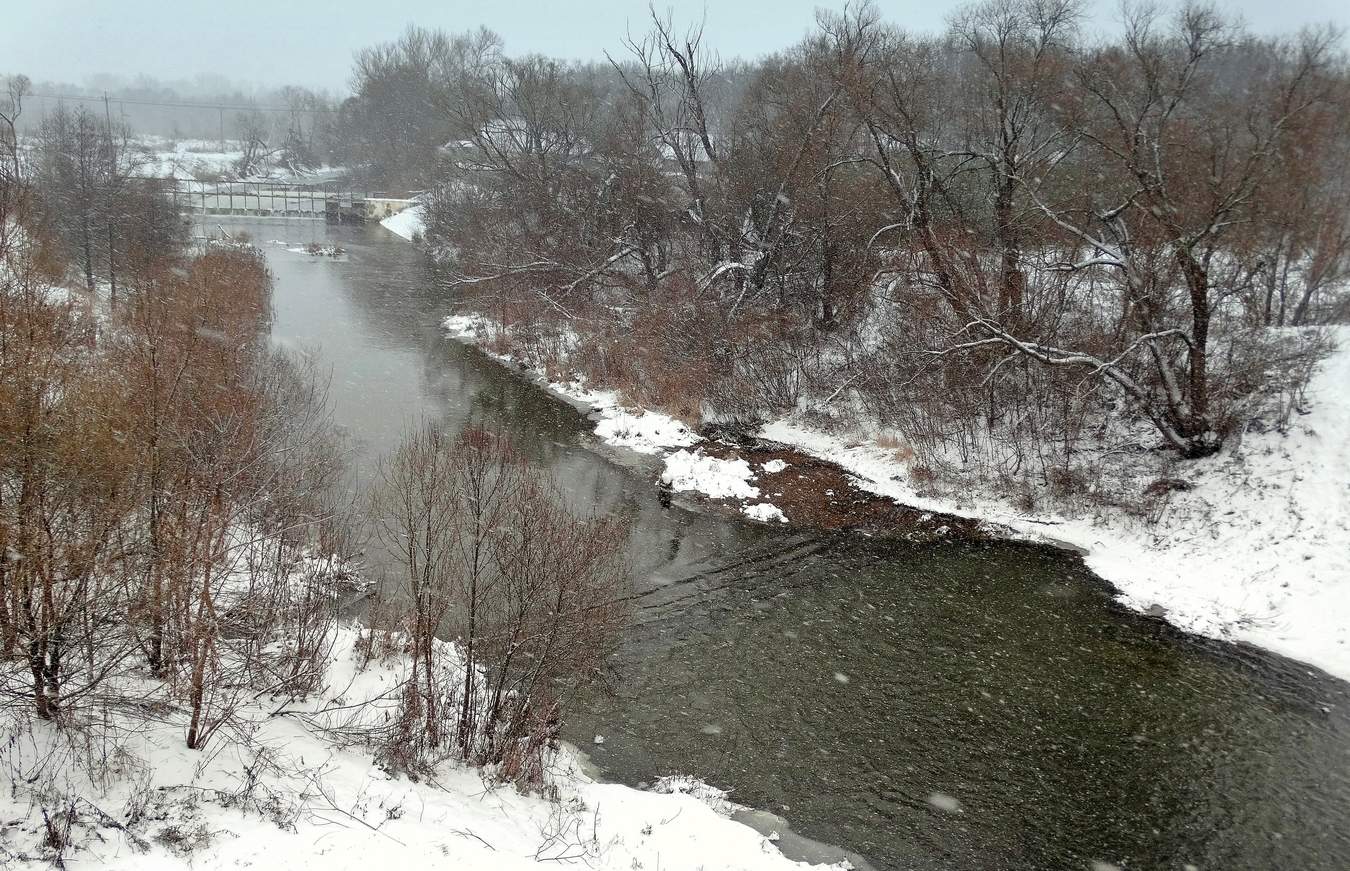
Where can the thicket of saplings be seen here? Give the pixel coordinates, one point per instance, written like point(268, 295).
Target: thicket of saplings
point(1016, 245)
point(487, 548)
point(176, 526)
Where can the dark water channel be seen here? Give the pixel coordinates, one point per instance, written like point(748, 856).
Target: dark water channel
point(936, 706)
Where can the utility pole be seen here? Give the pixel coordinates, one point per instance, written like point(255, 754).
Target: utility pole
point(112, 175)
point(221, 110)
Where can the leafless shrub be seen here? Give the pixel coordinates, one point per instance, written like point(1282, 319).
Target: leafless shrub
point(1069, 483)
point(491, 557)
point(184, 840)
point(570, 834)
point(922, 476)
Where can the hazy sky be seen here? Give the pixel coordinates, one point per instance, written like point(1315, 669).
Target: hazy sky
point(310, 42)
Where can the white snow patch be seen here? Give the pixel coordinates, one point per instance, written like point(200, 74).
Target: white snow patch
point(711, 476)
point(774, 466)
point(407, 223)
point(640, 430)
point(765, 512)
point(188, 159)
point(472, 327)
point(646, 432)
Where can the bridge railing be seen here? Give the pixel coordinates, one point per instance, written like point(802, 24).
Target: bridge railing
point(261, 199)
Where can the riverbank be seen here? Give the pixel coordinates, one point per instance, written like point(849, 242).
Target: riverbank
point(1251, 545)
point(407, 224)
point(300, 781)
point(297, 783)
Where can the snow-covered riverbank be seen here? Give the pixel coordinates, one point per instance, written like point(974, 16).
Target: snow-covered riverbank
point(407, 224)
point(292, 785)
point(1258, 550)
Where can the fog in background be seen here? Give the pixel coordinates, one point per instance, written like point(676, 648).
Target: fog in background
point(265, 43)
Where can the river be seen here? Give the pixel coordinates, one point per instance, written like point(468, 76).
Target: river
point(934, 706)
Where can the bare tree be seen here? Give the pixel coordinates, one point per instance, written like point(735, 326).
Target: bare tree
point(490, 558)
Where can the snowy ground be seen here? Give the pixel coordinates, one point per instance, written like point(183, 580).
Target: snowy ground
point(646, 432)
point(295, 782)
point(189, 158)
point(293, 787)
point(210, 160)
point(1258, 551)
point(407, 223)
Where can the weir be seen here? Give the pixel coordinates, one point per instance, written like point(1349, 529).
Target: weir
point(272, 199)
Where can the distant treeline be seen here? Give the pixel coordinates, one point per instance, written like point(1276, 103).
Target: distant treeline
point(205, 108)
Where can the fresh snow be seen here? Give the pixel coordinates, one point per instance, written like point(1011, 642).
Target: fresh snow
point(712, 476)
point(294, 784)
point(407, 223)
point(469, 327)
point(764, 512)
point(291, 787)
point(187, 159)
point(644, 431)
point(1258, 551)
point(195, 159)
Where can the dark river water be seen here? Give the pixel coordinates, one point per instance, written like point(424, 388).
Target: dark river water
point(935, 706)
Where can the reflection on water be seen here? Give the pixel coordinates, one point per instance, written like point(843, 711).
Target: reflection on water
point(371, 322)
point(974, 706)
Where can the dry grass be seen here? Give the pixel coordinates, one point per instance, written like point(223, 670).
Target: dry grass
point(902, 450)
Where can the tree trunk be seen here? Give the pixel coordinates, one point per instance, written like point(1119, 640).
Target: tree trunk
point(1012, 281)
point(1198, 426)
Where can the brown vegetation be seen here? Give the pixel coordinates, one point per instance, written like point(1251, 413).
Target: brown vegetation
point(1009, 243)
point(164, 475)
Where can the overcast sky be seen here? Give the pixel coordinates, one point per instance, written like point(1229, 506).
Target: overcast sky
point(310, 42)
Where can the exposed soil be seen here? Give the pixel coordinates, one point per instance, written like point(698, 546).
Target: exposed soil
point(818, 494)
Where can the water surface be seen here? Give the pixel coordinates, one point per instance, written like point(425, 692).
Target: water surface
point(943, 706)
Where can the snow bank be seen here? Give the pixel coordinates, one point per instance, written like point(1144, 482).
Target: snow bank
point(289, 789)
point(188, 159)
point(197, 159)
point(713, 477)
point(1258, 551)
point(644, 431)
point(465, 326)
point(641, 430)
point(407, 223)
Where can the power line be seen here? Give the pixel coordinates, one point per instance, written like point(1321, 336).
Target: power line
point(177, 105)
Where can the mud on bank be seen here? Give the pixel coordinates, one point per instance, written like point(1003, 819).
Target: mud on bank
point(817, 494)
